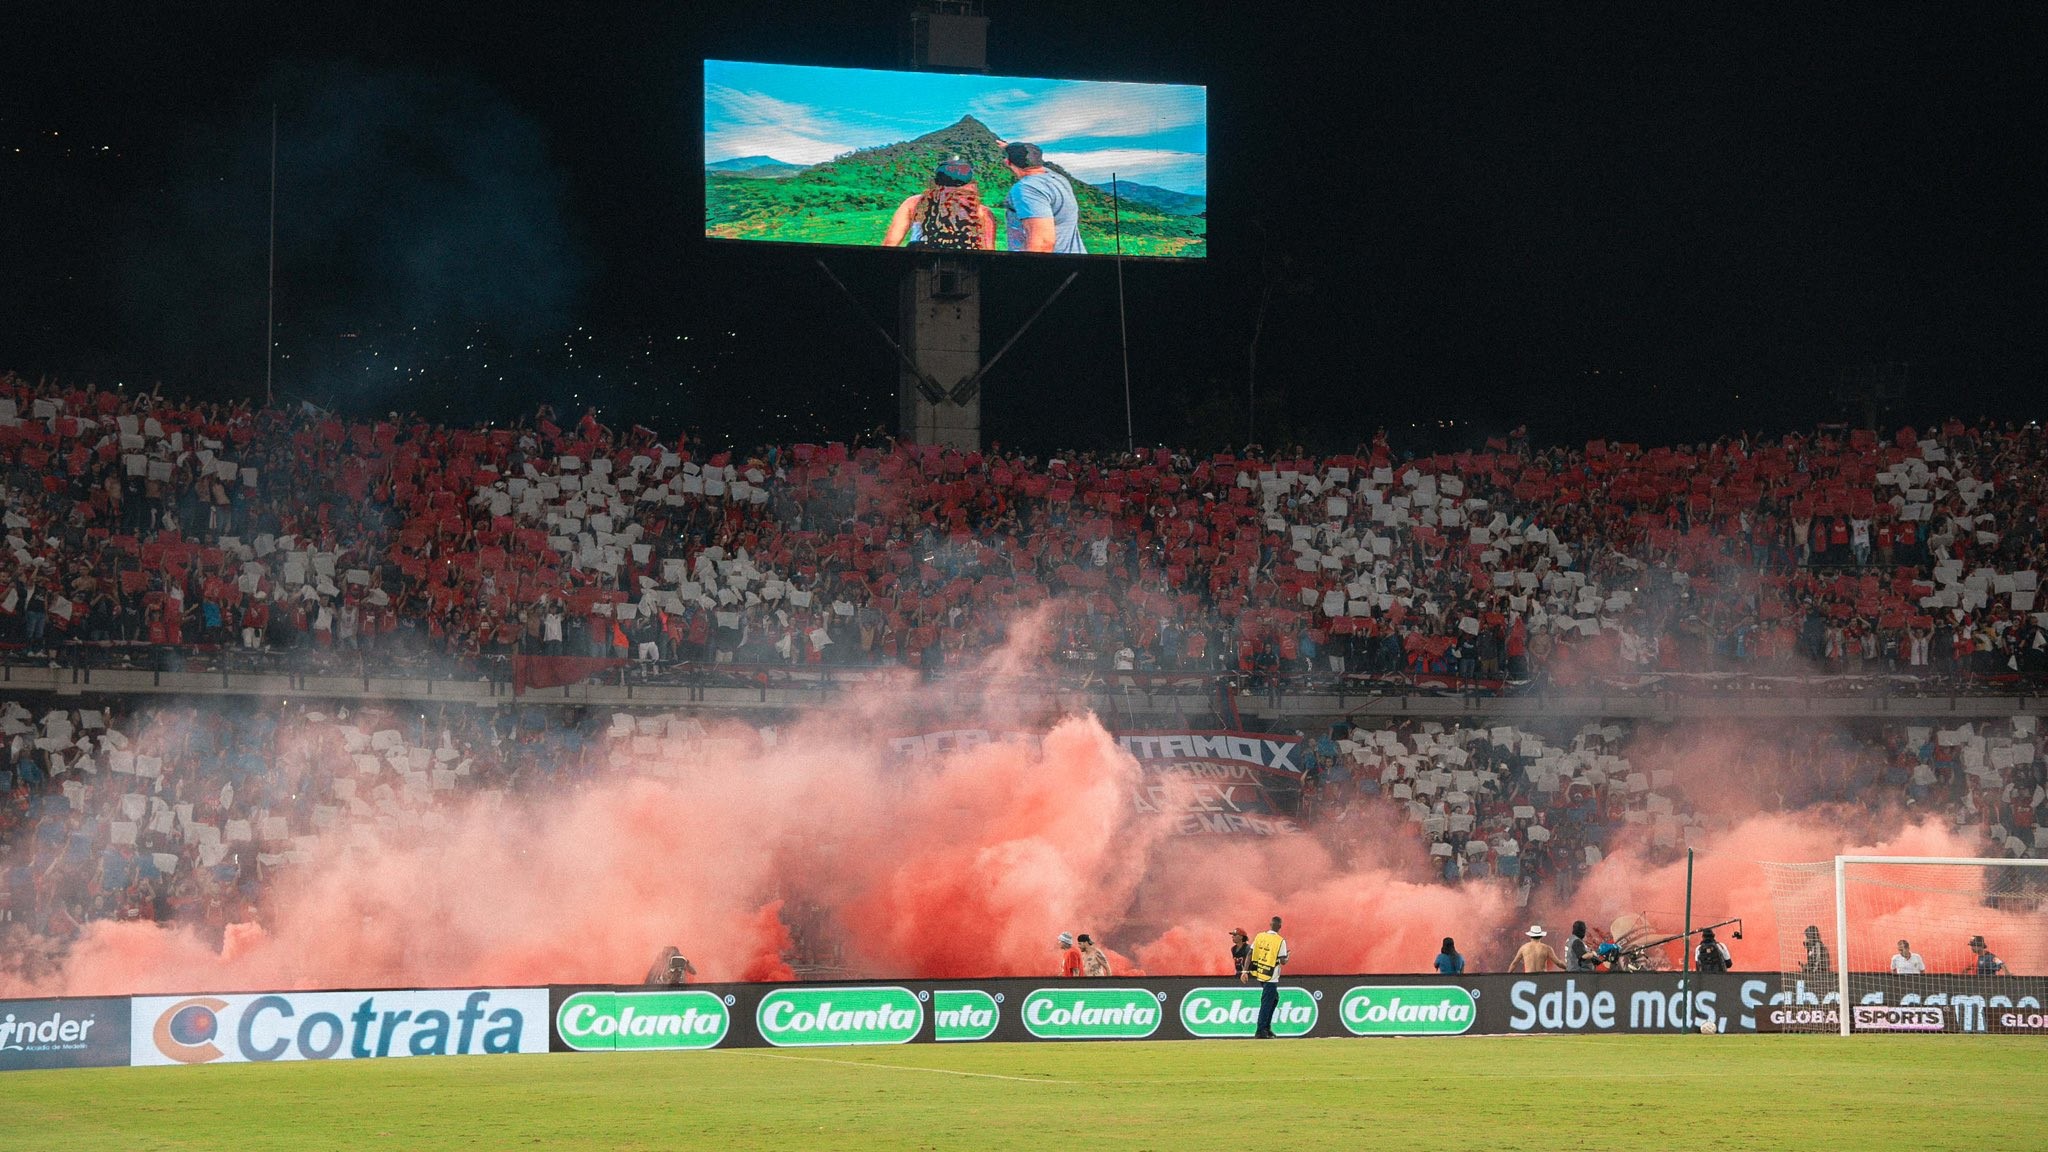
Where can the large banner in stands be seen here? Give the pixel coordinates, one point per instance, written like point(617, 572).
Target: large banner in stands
point(237, 1027)
point(71, 1033)
point(1198, 1008)
point(1212, 782)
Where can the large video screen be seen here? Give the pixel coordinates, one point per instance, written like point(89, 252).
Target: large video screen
point(942, 161)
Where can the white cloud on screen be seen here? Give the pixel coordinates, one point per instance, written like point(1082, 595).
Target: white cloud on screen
point(1093, 110)
point(741, 123)
point(1179, 171)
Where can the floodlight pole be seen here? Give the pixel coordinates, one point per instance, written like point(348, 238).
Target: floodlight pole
point(1123, 324)
point(270, 308)
point(1685, 946)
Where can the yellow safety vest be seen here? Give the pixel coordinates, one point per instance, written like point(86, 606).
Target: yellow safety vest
point(1265, 962)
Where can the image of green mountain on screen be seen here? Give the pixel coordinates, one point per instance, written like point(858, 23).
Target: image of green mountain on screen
point(848, 199)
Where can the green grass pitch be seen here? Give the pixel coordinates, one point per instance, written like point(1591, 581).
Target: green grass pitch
point(1691, 1092)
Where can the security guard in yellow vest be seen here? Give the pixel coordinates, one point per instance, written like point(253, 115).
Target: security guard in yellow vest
point(1269, 954)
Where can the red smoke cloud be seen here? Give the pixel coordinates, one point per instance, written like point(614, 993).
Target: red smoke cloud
point(963, 864)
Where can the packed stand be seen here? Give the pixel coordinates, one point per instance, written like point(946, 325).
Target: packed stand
point(1541, 805)
point(154, 530)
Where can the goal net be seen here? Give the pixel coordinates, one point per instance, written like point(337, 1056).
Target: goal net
point(1911, 944)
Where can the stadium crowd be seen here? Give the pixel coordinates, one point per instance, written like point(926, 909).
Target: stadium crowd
point(142, 527)
point(1543, 805)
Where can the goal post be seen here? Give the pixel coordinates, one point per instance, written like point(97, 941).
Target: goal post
point(1909, 943)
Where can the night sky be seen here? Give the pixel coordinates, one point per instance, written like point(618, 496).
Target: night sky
point(1601, 222)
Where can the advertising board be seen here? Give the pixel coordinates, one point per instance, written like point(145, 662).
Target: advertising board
point(69, 1033)
point(244, 1026)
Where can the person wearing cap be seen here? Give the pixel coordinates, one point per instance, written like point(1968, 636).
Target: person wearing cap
point(948, 215)
point(1988, 963)
point(1240, 952)
point(1575, 949)
point(1712, 955)
point(1094, 962)
point(1070, 956)
point(1268, 956)
point(1906, 962)
point(1041, 213)
point(1535, 956)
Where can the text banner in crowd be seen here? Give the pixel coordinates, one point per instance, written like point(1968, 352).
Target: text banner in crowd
point(954, 161)
point(1195, 1008)
point(73, 1033)
point(1212, 782)
point(242, 1026)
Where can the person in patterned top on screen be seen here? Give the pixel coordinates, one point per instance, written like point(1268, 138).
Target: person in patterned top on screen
point(947, 216)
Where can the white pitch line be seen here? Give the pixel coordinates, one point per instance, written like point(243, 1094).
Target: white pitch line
point(911, 1068)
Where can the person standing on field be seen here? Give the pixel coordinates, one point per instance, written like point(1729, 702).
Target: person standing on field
point(1093, 961)
point(1240, 952)
point(1536, 956)
point(1575, 949)
point(1070, 956)
point(1269, 955)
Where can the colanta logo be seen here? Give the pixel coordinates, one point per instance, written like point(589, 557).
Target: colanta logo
point(642, 1021)
point(964, 1014)
point(804, 1017)
point(186, 1031)
point(1416, 1010)
point(1078, 1013)
point(1233, 1010)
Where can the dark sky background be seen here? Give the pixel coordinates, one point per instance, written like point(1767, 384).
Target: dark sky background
point(1602, 222)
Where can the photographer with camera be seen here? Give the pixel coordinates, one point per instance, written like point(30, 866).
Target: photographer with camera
point(1712, 955)
point(671, 968)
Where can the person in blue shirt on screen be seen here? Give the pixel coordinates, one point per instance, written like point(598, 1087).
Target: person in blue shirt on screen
point(1041, 213)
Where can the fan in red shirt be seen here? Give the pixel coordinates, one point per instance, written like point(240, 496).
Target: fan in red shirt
point(1070, 960)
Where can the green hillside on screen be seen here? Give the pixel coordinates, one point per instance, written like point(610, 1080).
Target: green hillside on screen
point(849, 199)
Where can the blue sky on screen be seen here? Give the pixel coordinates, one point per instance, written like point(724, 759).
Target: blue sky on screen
point(1149, 133)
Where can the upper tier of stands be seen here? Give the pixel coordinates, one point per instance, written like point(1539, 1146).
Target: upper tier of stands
point(142, 529)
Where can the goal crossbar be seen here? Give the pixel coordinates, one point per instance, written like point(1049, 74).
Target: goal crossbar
point(1842, 906)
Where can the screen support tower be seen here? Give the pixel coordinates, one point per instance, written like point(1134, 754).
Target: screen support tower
point(938, 319)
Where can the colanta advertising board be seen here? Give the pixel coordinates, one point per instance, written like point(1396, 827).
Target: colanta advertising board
point(237, 1027)
point(71, 1033)
point(667, 1020)
point(1205, 1008)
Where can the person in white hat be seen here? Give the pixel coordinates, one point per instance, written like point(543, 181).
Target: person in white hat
point(1535, 956)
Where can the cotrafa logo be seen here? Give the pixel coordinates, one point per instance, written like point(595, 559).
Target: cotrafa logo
point(187, 1030)
point(338, 1025)
point(1408, 1010)
point(641, 1021)
point(1228, 1011)
point(803, 1017)
point(1091, 1013)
